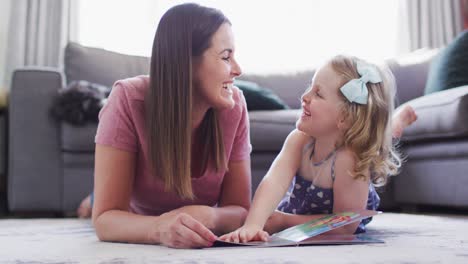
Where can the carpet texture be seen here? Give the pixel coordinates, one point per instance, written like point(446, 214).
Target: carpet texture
point(409, 239)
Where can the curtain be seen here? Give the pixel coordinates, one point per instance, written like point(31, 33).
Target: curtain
point(38, 31)
point(431, 23)
point(4, 18)
point(465, 13)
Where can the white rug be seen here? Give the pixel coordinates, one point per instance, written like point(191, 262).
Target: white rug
point(409, 239)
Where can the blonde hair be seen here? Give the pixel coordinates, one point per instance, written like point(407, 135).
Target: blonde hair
point(369, 134)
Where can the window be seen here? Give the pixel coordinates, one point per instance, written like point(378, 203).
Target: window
point(271, 36)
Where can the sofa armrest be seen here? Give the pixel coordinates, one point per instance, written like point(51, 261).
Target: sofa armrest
point(410, 71)
point(441, 115)
point(34, 160)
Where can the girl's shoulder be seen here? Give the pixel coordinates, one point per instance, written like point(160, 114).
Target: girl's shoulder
point(346, 162)
point(298, 140)
point(346, 156)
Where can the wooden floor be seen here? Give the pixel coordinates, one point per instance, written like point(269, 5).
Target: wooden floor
point(408, 239)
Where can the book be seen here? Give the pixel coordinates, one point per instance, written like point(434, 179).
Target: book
point(312, 232)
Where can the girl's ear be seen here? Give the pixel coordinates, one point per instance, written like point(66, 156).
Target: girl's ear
point(342, 123)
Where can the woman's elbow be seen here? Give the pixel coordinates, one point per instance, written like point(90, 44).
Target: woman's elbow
point(244, 210)
point(100, 228)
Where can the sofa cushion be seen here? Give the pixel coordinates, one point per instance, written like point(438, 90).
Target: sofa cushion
point(259, 98)
point(440, 115)
point(77, 180)
point(78, 139)
point(269, 129)
point(438, 150)
point(449, 69)
point(101, 66)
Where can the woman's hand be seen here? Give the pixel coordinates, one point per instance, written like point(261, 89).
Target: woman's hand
point(246, 234)
point(206, 215)
point(181, 230)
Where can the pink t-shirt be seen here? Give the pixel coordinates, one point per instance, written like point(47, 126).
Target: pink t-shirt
point(122, 126)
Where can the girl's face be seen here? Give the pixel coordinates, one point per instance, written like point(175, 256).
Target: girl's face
point(321, 104)
point(215, 70)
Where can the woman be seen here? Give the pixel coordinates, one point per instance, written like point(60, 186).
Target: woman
point(172, 160)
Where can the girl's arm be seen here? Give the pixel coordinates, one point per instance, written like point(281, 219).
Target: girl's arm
point(272, 188)
point(348, 195)
point(112, 219)
point(279, 221)
point(277, 180)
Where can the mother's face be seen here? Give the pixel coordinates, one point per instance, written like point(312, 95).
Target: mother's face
point(215, 70)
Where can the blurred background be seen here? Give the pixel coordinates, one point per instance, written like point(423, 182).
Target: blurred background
point(47, 165)
point(271, 36)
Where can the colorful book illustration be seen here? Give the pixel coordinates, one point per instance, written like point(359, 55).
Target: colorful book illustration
point(312, 232)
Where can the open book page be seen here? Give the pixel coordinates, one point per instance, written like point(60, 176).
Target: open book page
point(304, 232)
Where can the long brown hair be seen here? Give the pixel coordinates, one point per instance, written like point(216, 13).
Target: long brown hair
point(369, 134)
point(183, 34)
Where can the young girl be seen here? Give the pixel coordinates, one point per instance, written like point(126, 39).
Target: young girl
point(343, 134)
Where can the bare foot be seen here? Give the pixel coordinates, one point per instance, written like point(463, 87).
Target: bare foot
point(402, 119)
point(85, 209)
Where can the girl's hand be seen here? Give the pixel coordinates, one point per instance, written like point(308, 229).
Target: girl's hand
point(180, 230)
point(246, 234)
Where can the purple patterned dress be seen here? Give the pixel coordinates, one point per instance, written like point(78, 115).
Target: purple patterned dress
point(304, 198)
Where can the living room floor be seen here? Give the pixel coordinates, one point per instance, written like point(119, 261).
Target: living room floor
point(409, 238)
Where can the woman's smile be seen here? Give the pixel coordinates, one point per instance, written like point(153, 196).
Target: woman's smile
point(228, 87)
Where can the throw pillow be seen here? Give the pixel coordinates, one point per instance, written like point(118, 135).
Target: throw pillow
point(79, 103)
point(259, 98)
point(449, 68)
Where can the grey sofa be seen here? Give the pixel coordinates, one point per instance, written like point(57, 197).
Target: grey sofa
point(50, 166)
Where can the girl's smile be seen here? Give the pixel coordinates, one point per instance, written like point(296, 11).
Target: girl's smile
point(305, 113)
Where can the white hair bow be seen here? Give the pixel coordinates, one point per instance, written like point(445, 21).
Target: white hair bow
point(356, 89)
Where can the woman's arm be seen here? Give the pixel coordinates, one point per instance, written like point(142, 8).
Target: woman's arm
point(234, 201)
point(113, 181)
point(235, 197)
